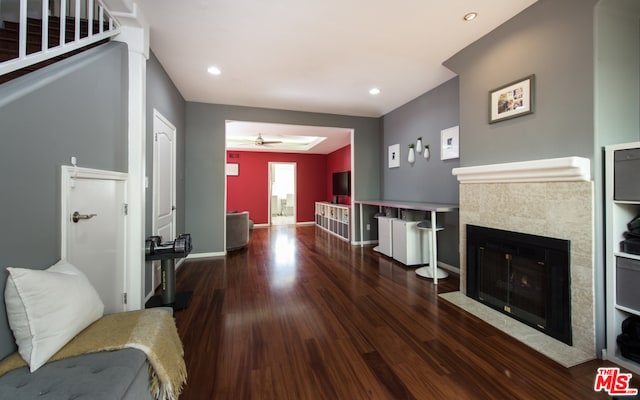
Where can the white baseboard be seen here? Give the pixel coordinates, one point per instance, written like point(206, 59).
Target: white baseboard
point(297, 224)
point(206, 255)
point(365, 243)
point(448, 267)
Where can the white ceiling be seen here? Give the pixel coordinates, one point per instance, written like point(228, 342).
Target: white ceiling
point(293, 138)
point(315, 55)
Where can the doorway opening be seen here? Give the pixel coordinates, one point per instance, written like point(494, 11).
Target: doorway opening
point(252, 146)
point(282, 193)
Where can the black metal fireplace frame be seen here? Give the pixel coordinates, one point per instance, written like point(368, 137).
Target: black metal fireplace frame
point(556, 252)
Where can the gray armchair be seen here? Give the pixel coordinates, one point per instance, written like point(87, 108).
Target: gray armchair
point(238, 225)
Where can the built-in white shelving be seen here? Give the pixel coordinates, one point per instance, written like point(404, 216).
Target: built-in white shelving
point(334, 218)
point(618, 214)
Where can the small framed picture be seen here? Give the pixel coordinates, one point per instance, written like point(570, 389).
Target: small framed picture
point(450, 143)
point(232, 169)
point(512, 100)
point(394, 156)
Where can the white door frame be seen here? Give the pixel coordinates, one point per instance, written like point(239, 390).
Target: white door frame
point(295, 186)
point(154, 208)
point(133, 282)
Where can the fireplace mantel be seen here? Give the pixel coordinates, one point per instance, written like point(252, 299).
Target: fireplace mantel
point(549, 170)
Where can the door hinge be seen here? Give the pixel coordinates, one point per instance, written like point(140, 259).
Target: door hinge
point(126, 209)
point(124, 298)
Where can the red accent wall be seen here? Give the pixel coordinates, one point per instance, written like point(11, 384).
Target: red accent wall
point(249, 191)
point(338, 161)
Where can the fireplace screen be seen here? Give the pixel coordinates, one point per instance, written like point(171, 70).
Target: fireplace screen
point(523, 276)
point(517, 284)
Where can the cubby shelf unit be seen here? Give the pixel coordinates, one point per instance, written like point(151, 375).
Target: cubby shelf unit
point(617, 214)
point(334, 218)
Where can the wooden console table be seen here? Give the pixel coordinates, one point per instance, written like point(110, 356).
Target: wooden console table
point(432, 208)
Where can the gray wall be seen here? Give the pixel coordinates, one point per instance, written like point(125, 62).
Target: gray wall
point(552, 39)
point(205, 175)
point(425, 181)
point(163, 96)
point(77, 107)
point(617, 71)
point(10, 10)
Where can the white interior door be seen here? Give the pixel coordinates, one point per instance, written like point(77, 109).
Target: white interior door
point(95, 240)
point(164, 183)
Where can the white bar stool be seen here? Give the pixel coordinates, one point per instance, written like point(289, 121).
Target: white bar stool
point(428, 272)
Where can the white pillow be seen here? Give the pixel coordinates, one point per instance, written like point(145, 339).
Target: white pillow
point(46, 309)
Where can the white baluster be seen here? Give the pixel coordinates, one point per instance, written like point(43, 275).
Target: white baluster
point(77, 21)
point(63, 18)
point(22, 38)
point(45, 25)
point(90, 17)
point(101, 19)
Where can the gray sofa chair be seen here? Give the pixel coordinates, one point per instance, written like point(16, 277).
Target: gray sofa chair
point(120, 374)
point(238, 226)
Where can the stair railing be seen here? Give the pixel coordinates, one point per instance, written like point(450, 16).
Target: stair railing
point(95, 12)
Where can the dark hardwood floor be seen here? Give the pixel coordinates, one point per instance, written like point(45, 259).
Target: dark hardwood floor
point(300, 314)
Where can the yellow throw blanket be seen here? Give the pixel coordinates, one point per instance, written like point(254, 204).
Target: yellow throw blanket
point(151, 331)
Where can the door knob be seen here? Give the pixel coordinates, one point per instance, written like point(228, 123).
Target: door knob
point(77, 216)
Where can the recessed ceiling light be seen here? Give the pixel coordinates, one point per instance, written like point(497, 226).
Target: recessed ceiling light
point(470, 16)
point(214, 70)
point(374, 91)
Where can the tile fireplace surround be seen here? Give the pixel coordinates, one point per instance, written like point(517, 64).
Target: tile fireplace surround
point(554, 198)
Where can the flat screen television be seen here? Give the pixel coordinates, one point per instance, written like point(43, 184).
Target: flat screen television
point(342, 183)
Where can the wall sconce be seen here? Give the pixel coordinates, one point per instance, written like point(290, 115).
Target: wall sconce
point(412, 154)
point(419, 145)
point(426, 152)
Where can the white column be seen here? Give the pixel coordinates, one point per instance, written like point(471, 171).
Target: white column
point(137, 40)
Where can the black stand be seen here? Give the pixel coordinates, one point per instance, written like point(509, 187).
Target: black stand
point(168, 296)
point(167, 254)
point(181, 301)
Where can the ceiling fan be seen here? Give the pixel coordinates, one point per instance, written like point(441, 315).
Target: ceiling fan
point(261, 142)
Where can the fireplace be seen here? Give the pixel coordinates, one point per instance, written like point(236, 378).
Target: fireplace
point(521, 275)
point(553, 198)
